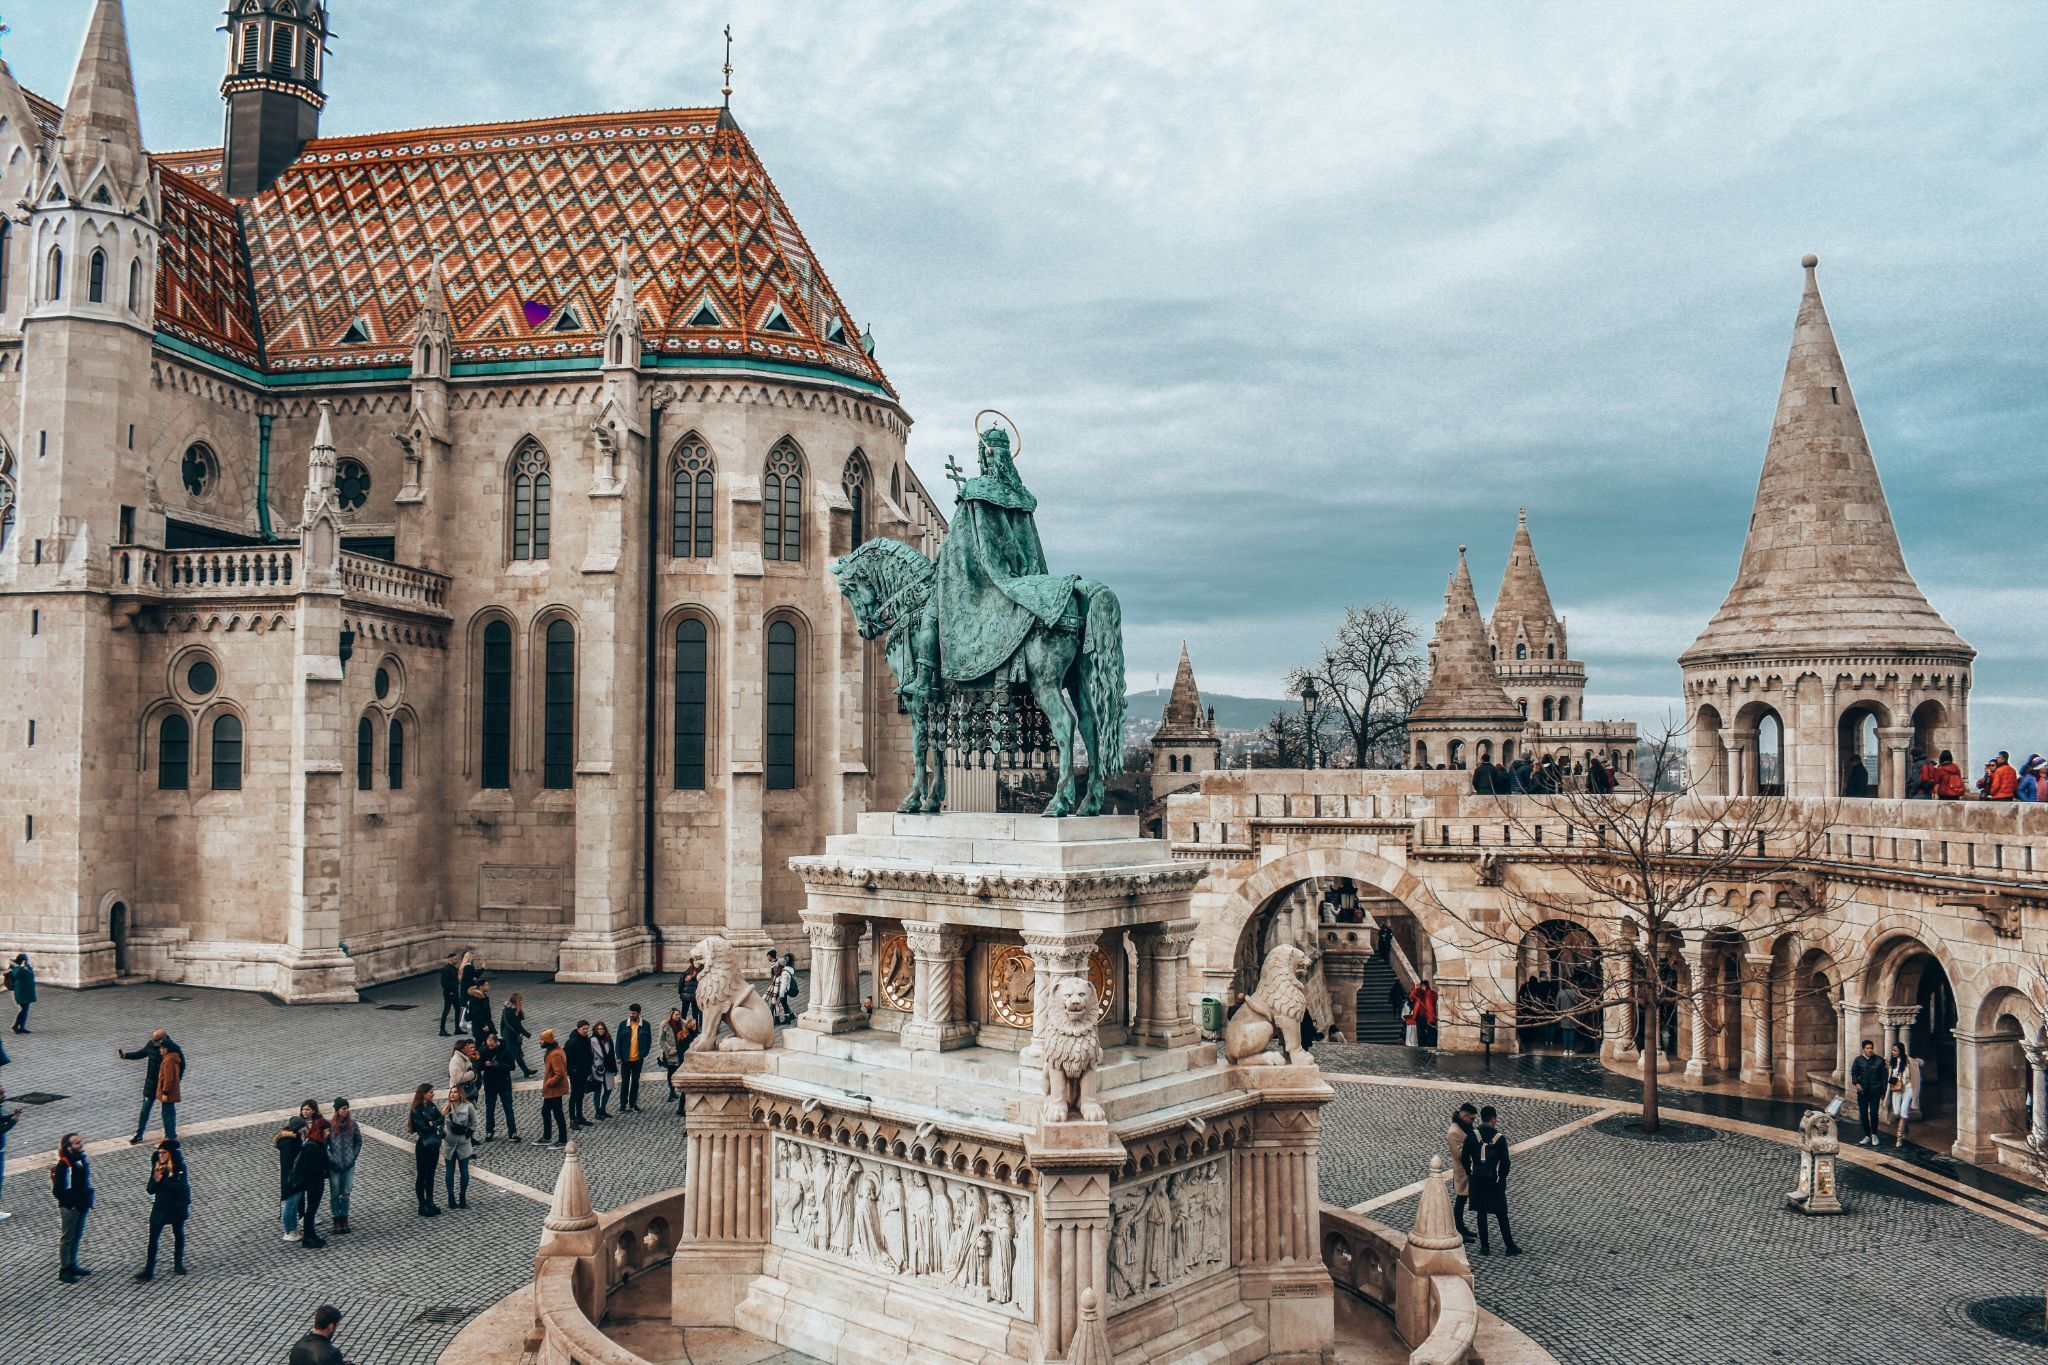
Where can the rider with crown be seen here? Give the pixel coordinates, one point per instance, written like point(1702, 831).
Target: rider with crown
point(992, 583)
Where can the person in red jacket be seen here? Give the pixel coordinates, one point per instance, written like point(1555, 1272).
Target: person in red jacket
point(1422, 1011)
point(1948, 778)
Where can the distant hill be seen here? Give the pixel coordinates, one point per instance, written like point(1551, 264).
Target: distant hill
point(1232, 713)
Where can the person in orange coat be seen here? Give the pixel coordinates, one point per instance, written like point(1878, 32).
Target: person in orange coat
point(554, 1088)
point(2002, 783)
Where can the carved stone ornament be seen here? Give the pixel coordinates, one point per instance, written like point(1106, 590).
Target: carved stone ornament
point(1168, 1230)
point(1272, 1013)
point(896, 971)
point(958, 1238)
point(827, 871)
point(1011, 975)
point(1072, 1052)
point(727, 997)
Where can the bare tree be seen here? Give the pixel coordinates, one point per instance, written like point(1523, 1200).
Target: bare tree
point(1284, 743)
point(1371, 675)
point(1615, 880)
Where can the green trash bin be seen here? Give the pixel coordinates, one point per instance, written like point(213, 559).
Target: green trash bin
point(1212, 1015)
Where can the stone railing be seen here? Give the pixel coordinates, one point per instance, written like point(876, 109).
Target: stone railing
point(381, 582)
point(1364, 1257)
point(256, 571)
point(571, 1294)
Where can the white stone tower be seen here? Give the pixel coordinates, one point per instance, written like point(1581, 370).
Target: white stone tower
point(1464, 715)
point(1528, 638)
point(1825, 651)
point(1186, 741)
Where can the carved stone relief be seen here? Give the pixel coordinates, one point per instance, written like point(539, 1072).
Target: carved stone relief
point(897, 971)
point(1168, 1230)
point(1010, 973)
point(954, 1237)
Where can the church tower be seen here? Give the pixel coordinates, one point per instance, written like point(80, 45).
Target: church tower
point(1186, 741)
point(1826, 654)
point(1528, 639)
point(1464, 715)
point(276, 51)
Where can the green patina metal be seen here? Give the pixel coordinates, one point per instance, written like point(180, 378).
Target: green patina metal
point(263, 420)
point(993, 656)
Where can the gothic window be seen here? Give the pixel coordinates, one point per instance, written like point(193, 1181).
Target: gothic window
point(782, 504)
point(135, 286)
point(530, 499)
point(495, 756)
point(351, 485)
point(56, 287)
point(1524, 704)
point(896, 485)
point(227, 754)
point(366, 753)
point(558, 709)
point(173, 754)
point(693, 669)
point(1550, 651)
point(252, 37)
point(202, 678)
point(199, 471)
point(1547, 709)
point(6, 497)
point(1564, 709)
point(284, 52)
point(394, 757)
point(96, 277)
point(781, 708)
point(692, 475)
point(1521, 651)
point(856, 481)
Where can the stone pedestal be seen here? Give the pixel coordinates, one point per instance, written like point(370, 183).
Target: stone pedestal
point(885, 1189)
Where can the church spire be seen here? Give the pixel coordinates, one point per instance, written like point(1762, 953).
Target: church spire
point(100, 115)
point(1462, 683)
point(1184, 715)
point(1821, 566)
point(1522, 612)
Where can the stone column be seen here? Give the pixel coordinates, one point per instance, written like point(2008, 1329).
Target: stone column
point(726, 1179)
point(2036, 1053)
point(1856, 1019)
point(1892, 742)
point(835, 975)
point(1742, 778)
point(1696, 1055)
point(1275, 1230)
point(1164, 1012)
point(1075, 1164)
point(1054, 955)
point(1756, 1014)
point(1898, 1028)
point(1986, 1063)
point(1345, 973)
point(938, 1018)
point(314, 968)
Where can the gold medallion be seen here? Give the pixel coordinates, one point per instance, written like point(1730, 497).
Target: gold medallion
point(896, 971)
point(1010, 974)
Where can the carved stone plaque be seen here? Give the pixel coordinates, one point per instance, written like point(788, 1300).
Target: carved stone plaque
point(1010, 973)
point(536, 886)
point(961, 1238)
point(897, 972)
point(1168, 1230)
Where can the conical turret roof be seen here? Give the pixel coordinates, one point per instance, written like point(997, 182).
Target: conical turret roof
point(1463, 685)
point(1523, 603)
point(101, 113)
point(1184, 718)
point(1822, 571)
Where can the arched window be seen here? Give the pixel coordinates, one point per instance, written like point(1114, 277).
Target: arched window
point(856, 481)
point(55, 284)
point(1547, 709)
point(252, 37)
point(530, 499)
point(558, 709)
point(1521, 651)
point(96, 277)
point(1550, 651)
point(693, 475)
point(227, 754)
point(896, 484)
point(135, 286)
point(174, 754)
point(1524, 704)
point(394, 757)
point(495, 753)
point(781, 708)
point(1564, 709)
point(284, 51)
point(693, 668)
point(782, 504)
point(6, 496)
point(366, 753)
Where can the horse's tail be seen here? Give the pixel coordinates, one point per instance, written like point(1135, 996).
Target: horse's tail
point(1102, 675)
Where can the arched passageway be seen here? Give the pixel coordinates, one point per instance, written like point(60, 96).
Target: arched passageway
point(117, 930)
point(1859, 768)
point(1559, 989)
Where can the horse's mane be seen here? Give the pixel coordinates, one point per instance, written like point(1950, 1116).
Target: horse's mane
point(893, 565)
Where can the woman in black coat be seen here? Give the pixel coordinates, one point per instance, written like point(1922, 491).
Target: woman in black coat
point(512, 1028)
point(309, 1173)
point(170, 1203)
point(426, 1125)
point(1486, 1164)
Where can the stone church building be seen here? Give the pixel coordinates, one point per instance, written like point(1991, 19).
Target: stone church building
point(420, 540)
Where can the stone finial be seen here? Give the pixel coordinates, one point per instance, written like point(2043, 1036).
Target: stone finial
point(1090, 1345)
point(1436, 1229)
point(570, 1210)
point(1809, 260)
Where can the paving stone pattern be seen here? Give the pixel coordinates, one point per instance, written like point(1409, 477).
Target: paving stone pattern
point(1378, 1138)
point(1636, 1251)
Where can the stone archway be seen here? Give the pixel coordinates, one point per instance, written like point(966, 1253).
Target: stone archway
point(1552, 954)
point(1911, 984)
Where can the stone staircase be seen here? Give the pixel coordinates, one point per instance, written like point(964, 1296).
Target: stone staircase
point(1377, 1024)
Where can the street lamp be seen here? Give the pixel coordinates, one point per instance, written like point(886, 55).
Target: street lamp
point(1310, 699)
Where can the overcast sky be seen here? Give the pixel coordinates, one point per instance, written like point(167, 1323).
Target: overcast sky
point(1290, 300)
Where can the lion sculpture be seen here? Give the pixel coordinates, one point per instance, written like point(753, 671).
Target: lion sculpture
point(725, 996)
point(1276, 1007)
point(1072, 1052)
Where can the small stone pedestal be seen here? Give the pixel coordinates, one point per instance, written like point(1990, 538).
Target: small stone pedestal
point(1818, 1191)
point(884, 1186)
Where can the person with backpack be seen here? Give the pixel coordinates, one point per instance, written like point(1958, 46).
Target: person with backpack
point(425, 1125)
point(1486, 1168)
point(170, 1203)
point(310, 1170)
point(21, 980)
point(71, 1183)
point(289, 1139)
point(785, 987)
point(1948, 779)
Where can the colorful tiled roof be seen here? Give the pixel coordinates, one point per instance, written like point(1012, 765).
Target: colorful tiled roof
point(202, 281)
point(530, 218)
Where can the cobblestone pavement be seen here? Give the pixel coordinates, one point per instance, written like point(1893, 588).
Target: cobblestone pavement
point(1638, 1250)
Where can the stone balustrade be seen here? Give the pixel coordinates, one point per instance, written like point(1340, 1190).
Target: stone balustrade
point(1363, 1256)
point(269, 571)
